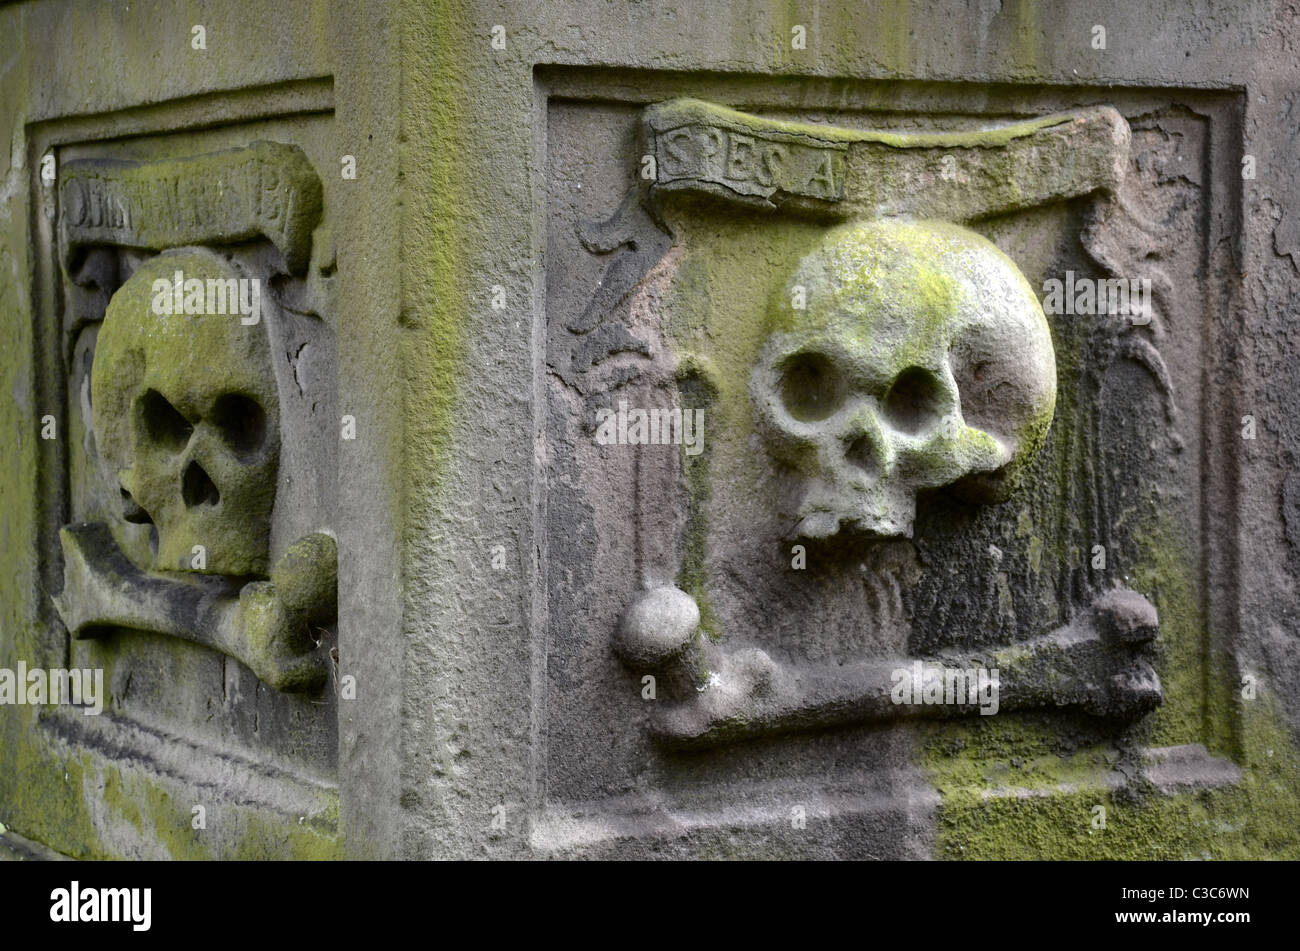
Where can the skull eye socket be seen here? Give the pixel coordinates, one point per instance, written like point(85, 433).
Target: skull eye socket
point(812, 388)
point(915, 401)
point(162, 422)
point(241, 422)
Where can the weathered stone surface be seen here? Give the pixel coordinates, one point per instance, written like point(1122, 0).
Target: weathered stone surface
point(528, 578)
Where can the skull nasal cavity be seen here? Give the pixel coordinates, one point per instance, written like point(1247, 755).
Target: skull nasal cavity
point(915, 401)
point(241, 422)
point(863, 453)
point(163, 422)
point(811, 387)
point(197, 488)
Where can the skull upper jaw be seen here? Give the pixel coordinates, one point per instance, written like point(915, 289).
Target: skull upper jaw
point(829, 509)
point(232, 545)
point(839, 499)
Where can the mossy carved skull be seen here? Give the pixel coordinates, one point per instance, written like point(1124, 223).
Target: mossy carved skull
point(922, 359)
point(186, 413)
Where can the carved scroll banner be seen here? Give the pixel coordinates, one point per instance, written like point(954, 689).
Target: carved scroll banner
point(265, 190)
point(833, 172)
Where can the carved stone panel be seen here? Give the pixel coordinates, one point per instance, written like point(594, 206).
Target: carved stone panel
point(835, 371)
point(195, 560)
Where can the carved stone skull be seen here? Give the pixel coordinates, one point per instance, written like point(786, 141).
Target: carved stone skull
point(922, 359)
point(186, 414)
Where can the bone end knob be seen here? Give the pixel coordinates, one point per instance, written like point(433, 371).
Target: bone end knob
point(658, 628)
point(1126, 616)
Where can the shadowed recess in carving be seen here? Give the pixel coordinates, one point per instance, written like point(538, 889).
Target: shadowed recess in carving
point(864, 453)
point(811, 387)
point(915, 401)
point(131, 511)
point(163, 423)
point(241, 422)
point(197, 487)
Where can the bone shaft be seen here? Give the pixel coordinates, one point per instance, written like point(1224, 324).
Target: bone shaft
point(102, 590)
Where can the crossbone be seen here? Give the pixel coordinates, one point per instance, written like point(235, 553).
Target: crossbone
point(266, 625)
point(1099, 663)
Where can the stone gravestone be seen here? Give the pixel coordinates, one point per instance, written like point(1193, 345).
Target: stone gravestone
point(625, 430)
